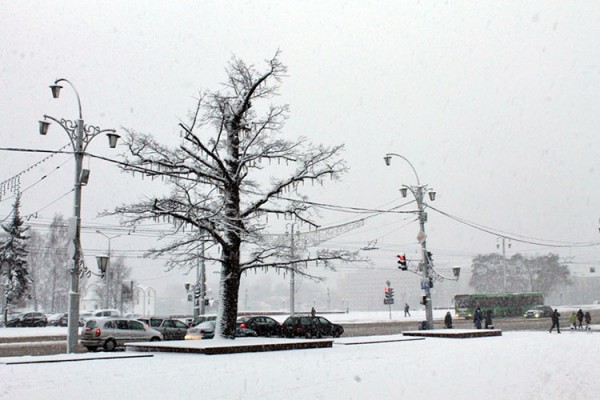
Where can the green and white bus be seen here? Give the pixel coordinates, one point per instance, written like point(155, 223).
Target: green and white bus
point(501, 304)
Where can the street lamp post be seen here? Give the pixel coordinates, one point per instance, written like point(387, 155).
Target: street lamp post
point(80, 136)
point(104, 266)
point(418, 192)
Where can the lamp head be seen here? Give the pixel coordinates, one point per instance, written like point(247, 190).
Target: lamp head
point(432, 195)
point(102, 263)
point(44, 125)
point(112, 139)
point(55, 90)
point(388, 160)
point(404, 191)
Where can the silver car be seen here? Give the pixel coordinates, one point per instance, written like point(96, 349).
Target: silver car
point(111, 333)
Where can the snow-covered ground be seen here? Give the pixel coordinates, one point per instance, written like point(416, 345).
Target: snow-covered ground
point(516, 365)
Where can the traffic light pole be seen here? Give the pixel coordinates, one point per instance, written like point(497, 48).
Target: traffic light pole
point(419, 191)
point(424, 257)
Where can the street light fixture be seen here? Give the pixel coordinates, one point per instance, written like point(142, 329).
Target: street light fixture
point(80, 136)
point(104, 266)
point(418, 192)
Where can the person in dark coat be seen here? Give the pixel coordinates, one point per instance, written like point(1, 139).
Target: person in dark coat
point(588, 320)
point(448, 320)
point(580, 318)
point(477, 317)
point(555, 321)
point(488, 320)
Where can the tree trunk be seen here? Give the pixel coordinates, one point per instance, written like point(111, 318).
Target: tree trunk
point(229, 287)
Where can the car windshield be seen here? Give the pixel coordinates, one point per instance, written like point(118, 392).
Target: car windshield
point(208, 325)
point(90, 324)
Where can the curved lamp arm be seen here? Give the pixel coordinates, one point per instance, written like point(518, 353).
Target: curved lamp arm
point(56, 92)
point(388, 156)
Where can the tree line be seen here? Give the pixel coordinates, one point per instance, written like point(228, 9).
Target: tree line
point(34, 269)
point(493, 273)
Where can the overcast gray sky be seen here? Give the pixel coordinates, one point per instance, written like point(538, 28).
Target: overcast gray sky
point(496, 104)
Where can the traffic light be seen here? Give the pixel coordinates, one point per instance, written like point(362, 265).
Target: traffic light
point(388, 295)
point(424, 300)
point(402, 262)
point(430, 256)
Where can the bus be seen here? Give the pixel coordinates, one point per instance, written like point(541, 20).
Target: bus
point(501, 304)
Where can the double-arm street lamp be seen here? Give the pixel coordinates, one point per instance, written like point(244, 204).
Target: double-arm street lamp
point(80, 136)
point(419, 192)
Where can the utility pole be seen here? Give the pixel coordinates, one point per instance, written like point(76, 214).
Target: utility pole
point(426, 262)
point(293, 270)
point(308, 239)
point(503, 257)
point(202, 277)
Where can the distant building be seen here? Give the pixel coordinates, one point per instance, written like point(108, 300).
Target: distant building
point(144, 300)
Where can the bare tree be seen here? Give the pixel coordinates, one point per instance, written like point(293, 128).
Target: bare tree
point(117, 275)
point(35, 260)
point(228, 175)
point(57, 259)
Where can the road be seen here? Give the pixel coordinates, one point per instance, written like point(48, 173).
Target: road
point(46, 345)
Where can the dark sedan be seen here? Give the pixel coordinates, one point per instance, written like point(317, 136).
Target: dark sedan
point(262, 325)
point(308, 326)
point(27, 319)
point(172, 329)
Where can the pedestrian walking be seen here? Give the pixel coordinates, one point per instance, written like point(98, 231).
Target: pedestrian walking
point(448, 320)
point(313, 312)
point(488, 320)
point(580, 318)
point(555, 321)
point(406, 310)
point(573, 320)
point(477, 317)
point(588, 320)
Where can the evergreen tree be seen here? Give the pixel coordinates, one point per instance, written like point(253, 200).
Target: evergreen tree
point(13, 260)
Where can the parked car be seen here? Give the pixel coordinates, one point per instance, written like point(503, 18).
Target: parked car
point(152, 322)
point(539, 312)
point(111, 333)
point(206, 330)
point(27, 319)
point(308, 326)
point(108, 312)
point(172, 329)
point(84, 316)
point(262, 325)
point(201, 318)
point(61, 319)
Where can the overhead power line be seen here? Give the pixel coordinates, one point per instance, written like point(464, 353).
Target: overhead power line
point(515, 237)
